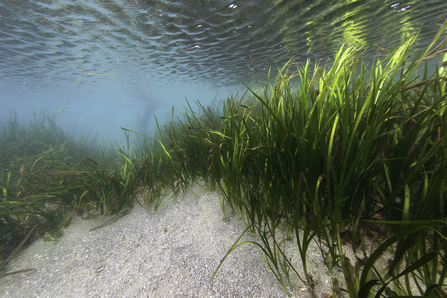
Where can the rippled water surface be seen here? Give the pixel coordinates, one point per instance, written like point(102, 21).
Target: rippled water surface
point(128, 52)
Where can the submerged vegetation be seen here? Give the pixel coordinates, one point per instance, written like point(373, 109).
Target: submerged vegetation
point(354, 153)
point(47, 177)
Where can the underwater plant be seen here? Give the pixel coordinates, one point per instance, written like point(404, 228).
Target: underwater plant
point(354, 153)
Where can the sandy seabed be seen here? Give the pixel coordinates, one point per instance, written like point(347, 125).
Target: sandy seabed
point(172, 252)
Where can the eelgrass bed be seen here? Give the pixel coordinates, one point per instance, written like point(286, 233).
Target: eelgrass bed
point(351, 153)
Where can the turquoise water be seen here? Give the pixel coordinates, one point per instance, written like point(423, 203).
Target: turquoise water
point(115, 64)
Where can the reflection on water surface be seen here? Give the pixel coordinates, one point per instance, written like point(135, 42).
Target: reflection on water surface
point(197, 42)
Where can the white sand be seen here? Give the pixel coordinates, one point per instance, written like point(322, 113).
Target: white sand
point(170, 253)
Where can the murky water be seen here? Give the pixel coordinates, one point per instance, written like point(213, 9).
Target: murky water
point(112, 62)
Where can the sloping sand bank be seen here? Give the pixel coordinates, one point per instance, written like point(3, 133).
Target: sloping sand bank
point(170, 253)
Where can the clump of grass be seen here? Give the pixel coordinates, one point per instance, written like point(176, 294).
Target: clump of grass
point(352, 151)
point(27, 157)
point(47, 177)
